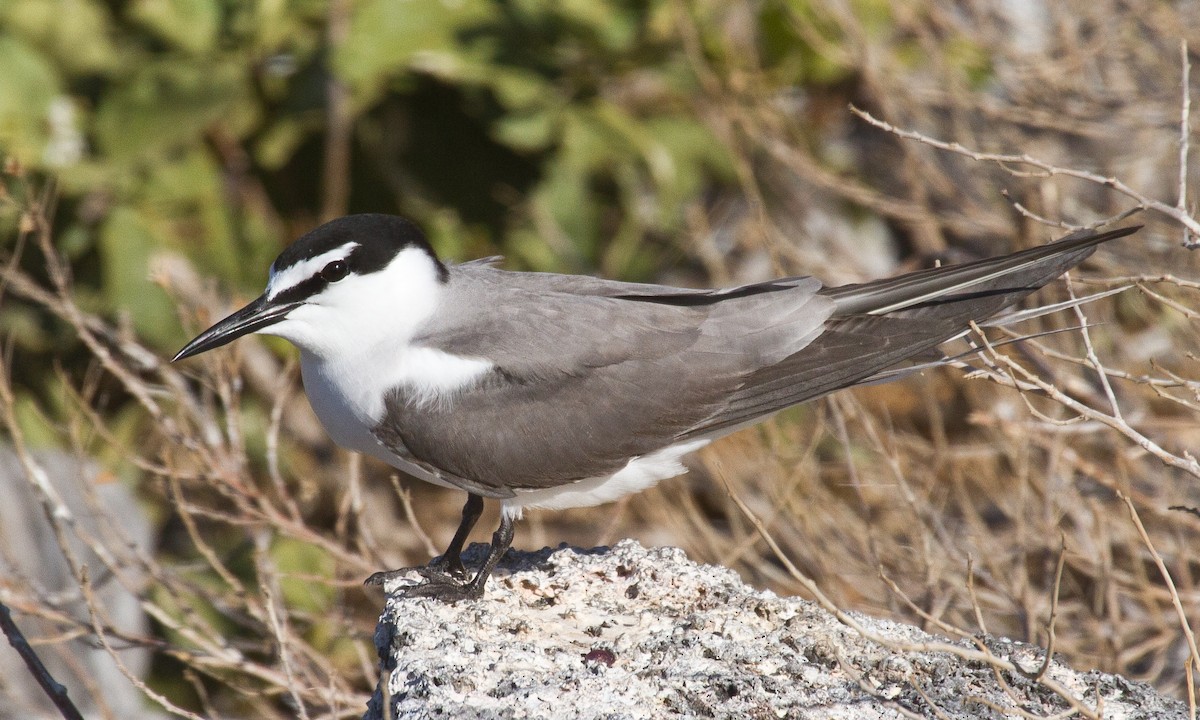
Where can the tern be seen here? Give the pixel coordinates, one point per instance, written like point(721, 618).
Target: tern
point(559, 391)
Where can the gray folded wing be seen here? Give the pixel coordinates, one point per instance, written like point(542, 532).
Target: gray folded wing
point(591, 373)
point(584, 383)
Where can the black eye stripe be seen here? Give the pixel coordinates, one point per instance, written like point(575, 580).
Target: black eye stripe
point(333, 271)
point(301, 290)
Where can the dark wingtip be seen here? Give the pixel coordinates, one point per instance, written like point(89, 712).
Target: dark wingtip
point(1091, 236)
point(1121, 232)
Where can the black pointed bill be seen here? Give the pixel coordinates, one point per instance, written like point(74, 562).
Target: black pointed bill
point(257, 315)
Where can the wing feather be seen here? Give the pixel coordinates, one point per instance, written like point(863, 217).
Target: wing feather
point(584, 383)
point(590, 373)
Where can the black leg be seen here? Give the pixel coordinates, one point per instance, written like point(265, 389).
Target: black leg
point(444, 585)
point(452, 558)
point(501, 542)
point(445, 588)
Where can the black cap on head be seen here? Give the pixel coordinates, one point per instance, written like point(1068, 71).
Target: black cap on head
point(380, 238)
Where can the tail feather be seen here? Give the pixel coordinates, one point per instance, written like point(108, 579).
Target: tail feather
point(876, 326)
point(1007, 278)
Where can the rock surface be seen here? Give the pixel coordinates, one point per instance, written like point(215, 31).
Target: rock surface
point(629, 632)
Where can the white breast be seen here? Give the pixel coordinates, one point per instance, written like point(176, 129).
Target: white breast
point(348, 394)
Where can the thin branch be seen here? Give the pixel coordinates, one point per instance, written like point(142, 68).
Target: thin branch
point(1042, 169)
point(411, 515)
point(56, 691)
point(1050, 624)
point(1185, 132)
point(1166, 576)
point(1184, 461)
point(982, 654)
point(277, 616)
point(338, 127)
point(1093, 358)
point(98, 627)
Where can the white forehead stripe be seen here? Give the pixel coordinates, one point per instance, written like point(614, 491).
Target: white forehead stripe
point(293, 275)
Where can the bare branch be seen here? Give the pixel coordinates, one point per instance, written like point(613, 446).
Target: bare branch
point(1185, 134)
point(56, 691)
point(1010, 163)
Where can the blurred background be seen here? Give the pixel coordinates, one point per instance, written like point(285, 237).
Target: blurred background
point(195, 524)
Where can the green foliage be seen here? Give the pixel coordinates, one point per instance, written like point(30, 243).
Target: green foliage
point(189, 25)
point(298, 561)
point(29, 82)
point(126, 244)
point(388, 39)
point(196, 127)
point(565, 135)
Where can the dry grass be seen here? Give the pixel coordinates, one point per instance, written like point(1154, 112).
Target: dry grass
point(1051, 494)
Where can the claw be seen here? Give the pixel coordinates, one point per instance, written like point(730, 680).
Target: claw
point(444, 577)
point(452, 566)
point(438, 568)
point(444, 588)
point(439, 583)
point(381, 577)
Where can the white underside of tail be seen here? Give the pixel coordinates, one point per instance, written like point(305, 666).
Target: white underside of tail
point(638, 474)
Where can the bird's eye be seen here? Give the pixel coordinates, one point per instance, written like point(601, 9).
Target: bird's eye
point(335, 271)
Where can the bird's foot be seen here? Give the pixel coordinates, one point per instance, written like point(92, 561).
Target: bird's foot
point(445, 577)
point(440, 567)
point(444, 587)
point(439, 584)
point(445, 580)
